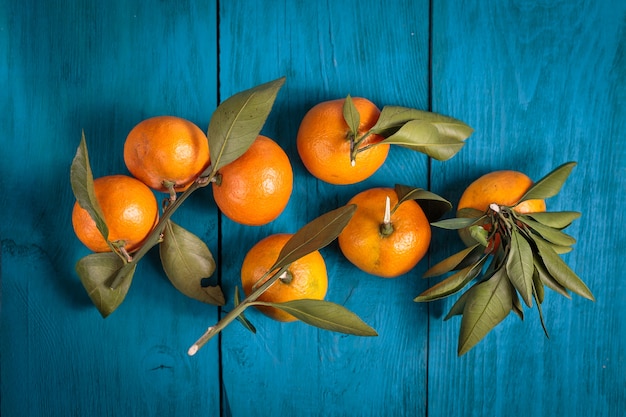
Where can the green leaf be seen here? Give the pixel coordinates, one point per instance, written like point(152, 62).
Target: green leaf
point(424, 137)
point(549, 233)
point(465, 257)
point(393, 118)
point(453, 284)
point(238, 120)
point(96, 272)
point(187, 261)
point(487, 305)
point(516, 304)
point(325, 315)
point(455, 223)
point(315, 235)
point(550, 185)
point(433, 205)
point(538, 298)
point(547, 279)
point(351, 116)
point(470, 212)
point(555, 219)
point(520, 268)
point(458, 306)
point(242, 318)
point(559, 270)
point(81, 179)
point(538, 285)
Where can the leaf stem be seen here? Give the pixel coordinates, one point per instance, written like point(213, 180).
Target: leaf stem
point(235, 312)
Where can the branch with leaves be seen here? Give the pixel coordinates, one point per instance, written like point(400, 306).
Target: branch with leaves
point(521, 264)
point(186, 260)
point(438, 136)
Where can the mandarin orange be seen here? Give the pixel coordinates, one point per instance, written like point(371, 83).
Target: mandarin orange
point(129, 210)
point(324, 143)
point(167, 153)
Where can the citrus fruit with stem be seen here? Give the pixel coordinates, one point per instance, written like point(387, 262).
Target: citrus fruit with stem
point(167, 153)
point(255, 188)
point(385, 238)
point(502, 188)
point(329, 149)
point(305, 278)
point(129, 210)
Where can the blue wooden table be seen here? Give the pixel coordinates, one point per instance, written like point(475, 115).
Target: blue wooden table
point(542, 83)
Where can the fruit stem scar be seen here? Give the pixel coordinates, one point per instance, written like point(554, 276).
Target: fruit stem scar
point(286, 277)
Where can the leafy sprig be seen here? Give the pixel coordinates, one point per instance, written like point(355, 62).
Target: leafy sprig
point(186, 260)
point(515, 257)
point(315, 235)
point(438, 136)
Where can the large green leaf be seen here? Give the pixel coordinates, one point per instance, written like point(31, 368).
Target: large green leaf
point(519, 266)
point(81, 179)
point(465, 257)
point(315, 235)
point(551, 184)
point(550, 234)
point(538, 294)
point(456, 223)
point(555, 219)
point(459, 305)
point(433, 205)
point(453, 284)
point(187, 261)
point(560, 271)
point(325, 315)
point(487, 305)
point(546, 278)
point(96, 272)
point(238, 120)
point(424, 137)
point(393, 118)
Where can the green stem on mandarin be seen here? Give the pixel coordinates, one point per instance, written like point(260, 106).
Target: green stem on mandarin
point(155, 236)
point(235, 312)
point(354, 148)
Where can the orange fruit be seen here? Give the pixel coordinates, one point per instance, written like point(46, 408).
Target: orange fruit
point(385, 251)
point(324, 144)
point(129, 210)
point(255, 188)
point(306, 278)
point(166, 150)
point(504, 188)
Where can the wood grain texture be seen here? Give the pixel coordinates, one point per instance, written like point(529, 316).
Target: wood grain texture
point(103, 68)
point(542, 83)
point(327, 50)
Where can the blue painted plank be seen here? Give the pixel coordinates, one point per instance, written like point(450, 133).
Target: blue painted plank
point(542, 84)
point(75, 65)
point(327, 51)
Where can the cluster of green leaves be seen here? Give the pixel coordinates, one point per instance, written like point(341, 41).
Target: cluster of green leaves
point(516, 256)
point(186, 259)
point(438, 136)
